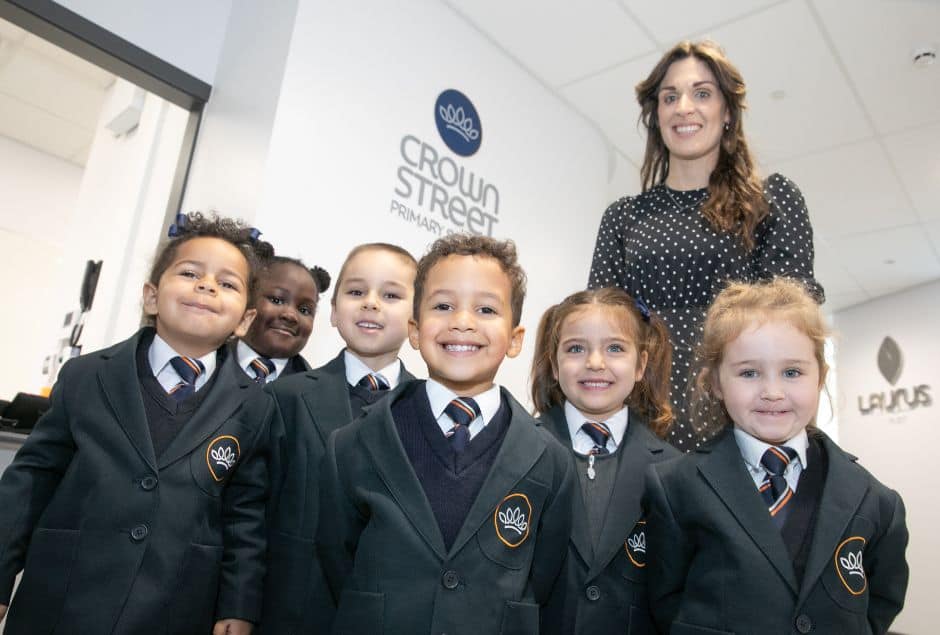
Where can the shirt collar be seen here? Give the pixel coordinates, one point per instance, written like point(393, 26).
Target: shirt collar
point(439, 396)
point(616, 423)
point(247, 354)
point(161, 353)
point(752, 448)
point(356, 369)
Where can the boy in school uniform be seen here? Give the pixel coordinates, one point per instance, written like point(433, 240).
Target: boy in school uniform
point(371, 306)
point(446, 508)
point(137, 503)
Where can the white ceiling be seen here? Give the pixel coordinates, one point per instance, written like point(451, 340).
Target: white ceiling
point(49, 98)
point(858, 127)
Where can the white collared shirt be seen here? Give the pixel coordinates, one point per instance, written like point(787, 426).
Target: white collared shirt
point(356, 370)
point(439, 396)
point(582, 442)
point(159, 357)
point(752, 449)
point(247, 354)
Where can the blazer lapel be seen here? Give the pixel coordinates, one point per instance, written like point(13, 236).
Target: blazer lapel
point(521, 448)
point(637, 448)
point(381, 441)
point(555, 422)
point(724, 470)
point(121, 388)
point(327, 398)
point(843, 492)
point(225, 397)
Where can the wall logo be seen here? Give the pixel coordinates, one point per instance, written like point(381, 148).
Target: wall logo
point(890, 361)
point(458, 122)
point(435, 191)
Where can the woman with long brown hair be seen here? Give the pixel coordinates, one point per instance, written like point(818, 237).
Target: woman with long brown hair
point(705, 216)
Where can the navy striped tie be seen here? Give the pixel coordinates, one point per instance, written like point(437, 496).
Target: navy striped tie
point(373, 382)
point(461, 411)
point(188, 369)
point(262, 367)
point(599, 433)
point(774, 490)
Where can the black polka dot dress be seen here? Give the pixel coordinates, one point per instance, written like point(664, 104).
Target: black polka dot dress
point(658, 246)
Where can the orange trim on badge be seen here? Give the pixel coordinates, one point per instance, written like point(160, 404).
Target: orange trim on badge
point(238, 448)
point(627, 547)
point(528, 521)
point(835, 561)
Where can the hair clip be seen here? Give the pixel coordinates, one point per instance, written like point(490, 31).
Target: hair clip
point(253, 234)
point(177, 228)
point(643, 309)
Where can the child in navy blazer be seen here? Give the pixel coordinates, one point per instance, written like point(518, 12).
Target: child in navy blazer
point(370, 308)
point(286, 303)
point(446, 508)
point(136, 505)
point(600, 379)
point(772, 527)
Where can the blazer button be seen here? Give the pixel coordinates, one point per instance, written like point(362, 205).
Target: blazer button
point(803, 623)
point(147, 483)
point(139, 532)
point(593, 593)
point(450, 580)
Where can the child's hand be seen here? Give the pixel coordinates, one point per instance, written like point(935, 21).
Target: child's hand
point(231, 627)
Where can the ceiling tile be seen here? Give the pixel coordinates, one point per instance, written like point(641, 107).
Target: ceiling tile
point(670, 21)
point(916, 154)
point(558, 40)
point(849, 190)
point(864, 257)
point(838, 302)
point(832, 274)
point(608, 100)
point(41, 130)
point(933, 234)
point(92, 74)
point(875, 40)
point(818, 109)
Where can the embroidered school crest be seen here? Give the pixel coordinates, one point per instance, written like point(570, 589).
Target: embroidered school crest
point(511, 520)
point(635, 545)
point(848, 563)
point(222, 455)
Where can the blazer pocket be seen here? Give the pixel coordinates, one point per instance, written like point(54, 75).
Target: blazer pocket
point(215, 460)
point(845, 578)
point(359, 612)
point(508, 534)
point(196, 590)
point(632, 556)
point(679, 628)
point(520, 618)
point(641, 622)
point(42, 592)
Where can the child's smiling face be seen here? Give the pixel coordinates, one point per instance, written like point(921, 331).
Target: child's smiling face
point(201, 298)
point(464, 324)
point(287, 301)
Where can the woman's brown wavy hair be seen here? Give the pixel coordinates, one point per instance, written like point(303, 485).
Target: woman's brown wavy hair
point(650, 395)
point(735, 202)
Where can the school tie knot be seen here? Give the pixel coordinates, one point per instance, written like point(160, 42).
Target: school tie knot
point(262, 367)
point(774, 490)
point(188, 370)
point(599, 433)
point(373, 382)
point(461, 411)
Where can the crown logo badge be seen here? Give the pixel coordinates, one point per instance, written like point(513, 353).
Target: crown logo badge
point(514, 519)
point(849, 566)
point(222, 455)
point(637, 542)
point(455, 119)
point(852, 563)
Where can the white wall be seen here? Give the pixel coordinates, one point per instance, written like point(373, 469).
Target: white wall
point(899, 447)
point(184, 33)
point(360, 76)
point(39, 196)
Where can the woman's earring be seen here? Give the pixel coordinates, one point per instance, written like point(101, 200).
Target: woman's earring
point(727, 126)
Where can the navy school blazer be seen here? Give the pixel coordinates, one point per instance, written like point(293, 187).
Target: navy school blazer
point(382, 550)
point(308, 407)
point(718, 564)
point(604, 590)
point(116, 541)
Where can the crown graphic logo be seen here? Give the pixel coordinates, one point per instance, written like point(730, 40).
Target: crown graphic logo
point(459, 122)
point(852, 563)
point(514, 519)
point(637, 542)
point(224, 457)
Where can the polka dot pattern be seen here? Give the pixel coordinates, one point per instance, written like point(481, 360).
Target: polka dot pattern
point(658, 246)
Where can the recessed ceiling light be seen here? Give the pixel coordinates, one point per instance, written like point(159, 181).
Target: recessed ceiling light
point(924, 56)
point(778, 94)
point(889, 261)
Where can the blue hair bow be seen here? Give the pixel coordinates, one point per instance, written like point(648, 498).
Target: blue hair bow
point(253, 234)
point(177, 228)
point(643, 309)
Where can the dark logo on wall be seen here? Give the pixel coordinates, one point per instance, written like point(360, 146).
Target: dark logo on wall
point(890, 361)
point(435, 191)
point(458, 122)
